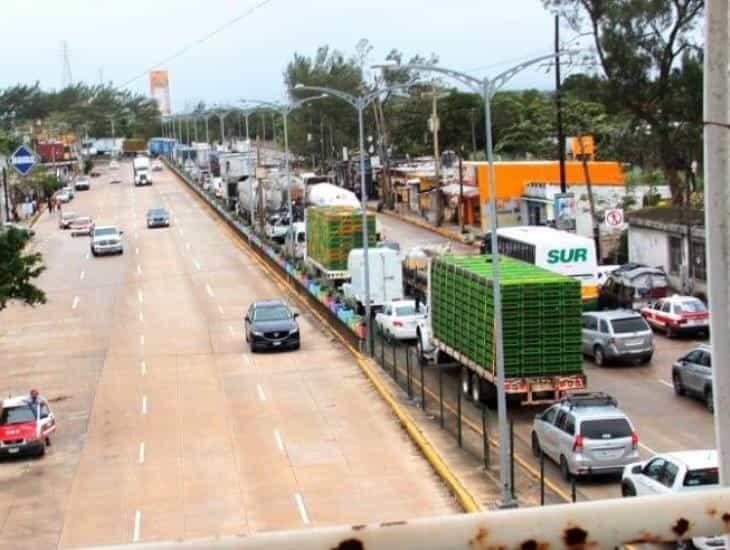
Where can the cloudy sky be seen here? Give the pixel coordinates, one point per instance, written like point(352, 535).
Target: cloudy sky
point(121, 39)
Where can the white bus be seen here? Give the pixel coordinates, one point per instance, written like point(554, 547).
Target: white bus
point(559, 251)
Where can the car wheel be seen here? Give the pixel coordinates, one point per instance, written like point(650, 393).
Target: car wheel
point(466, 383)
point(565, 469)
point(598, 356)
point(709, 402)
point(669, 331)
point(677, 383)
point(628, 489)
point(646, 359)
point(536, 451)
point(419, 351)
point(93, 252)
point(42, 451)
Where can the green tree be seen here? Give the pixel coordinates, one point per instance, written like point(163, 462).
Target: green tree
point(17, 270)
point(649, 55)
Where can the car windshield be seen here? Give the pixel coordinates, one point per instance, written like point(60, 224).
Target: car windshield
point(702, 477)
point(105, 231)
point(271, 313)
point(301, 237)
point(608, 428)
point(82, 220)
point(689, 306)
point(402, 311)
point(16, 415)
point(630, 324)
point(158, 212)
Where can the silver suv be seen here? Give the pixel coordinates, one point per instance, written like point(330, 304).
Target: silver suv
point(586, 433)
point(620, 335)
point(692, 373)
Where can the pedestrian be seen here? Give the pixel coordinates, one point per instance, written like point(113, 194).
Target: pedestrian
point(50, 205)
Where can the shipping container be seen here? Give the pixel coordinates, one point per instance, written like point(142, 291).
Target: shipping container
point(50, 151)
point(159, 146)
point(132, 146)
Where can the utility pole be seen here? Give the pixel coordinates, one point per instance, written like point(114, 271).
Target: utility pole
point(472, 112)
point(434, 127)
point(6, 194)
point(559, 107)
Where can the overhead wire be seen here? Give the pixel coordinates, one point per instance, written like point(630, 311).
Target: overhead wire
point(250, 11)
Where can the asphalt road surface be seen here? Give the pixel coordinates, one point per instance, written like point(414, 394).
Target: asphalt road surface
point(169, 427)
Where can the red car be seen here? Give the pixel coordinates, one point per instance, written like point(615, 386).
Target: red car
point(678, 315)
point(82, 225)
point(25, 426)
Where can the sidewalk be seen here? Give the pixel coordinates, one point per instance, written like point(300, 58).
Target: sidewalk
point(447, 230)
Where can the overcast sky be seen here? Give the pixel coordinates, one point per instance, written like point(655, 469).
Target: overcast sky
point(124, 38)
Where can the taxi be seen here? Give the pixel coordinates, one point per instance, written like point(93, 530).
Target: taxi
point(26, 425)
point(678, 315)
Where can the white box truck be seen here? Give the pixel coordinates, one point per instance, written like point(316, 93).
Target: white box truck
point(142, 173)
point(386, 276)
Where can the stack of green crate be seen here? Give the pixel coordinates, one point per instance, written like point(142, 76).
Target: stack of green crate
point(541, 314)
point(333, 231)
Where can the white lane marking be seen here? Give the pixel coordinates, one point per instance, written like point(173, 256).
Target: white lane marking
point(665, 383)
point(87, 255)
point(144, 404)
point(246, 359)
point(197, 265)
point(76, 303)
point(230, 329)
point(141, 453)
point(220, 309)
point(139, 269)
point(209, 290)
point(141, 317)
point(279, 441)
point(137, 526)
point(260, 390)
point(187, 245)
point(302, 509)
point(647, 449)
point(180, 230)
point(143, 368)
point(136, 251)
point(136, 235)
point(141, 339)
point(140, 297)
point(83, 274)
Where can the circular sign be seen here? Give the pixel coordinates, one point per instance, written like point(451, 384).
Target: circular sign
point(615, 217)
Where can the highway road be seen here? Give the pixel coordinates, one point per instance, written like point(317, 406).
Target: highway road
point(169, 427)
point(665, 422)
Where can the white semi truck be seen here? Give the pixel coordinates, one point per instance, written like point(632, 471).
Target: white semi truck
point(142, 172)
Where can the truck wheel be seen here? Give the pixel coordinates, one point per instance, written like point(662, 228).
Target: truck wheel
point(677, 383)
point(466, 383)
point(476, 388)
point(598, 356)
point(489, 397)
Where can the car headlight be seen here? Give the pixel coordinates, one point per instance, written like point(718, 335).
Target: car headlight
point(257, 333)
point(294, 330)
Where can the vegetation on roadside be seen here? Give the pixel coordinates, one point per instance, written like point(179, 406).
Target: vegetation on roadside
point(18, 270)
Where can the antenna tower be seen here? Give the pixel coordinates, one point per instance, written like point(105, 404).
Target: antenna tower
point(66, 78)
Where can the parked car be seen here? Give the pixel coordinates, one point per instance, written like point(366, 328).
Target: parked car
point(270, 324)
point(692, 374)
point(157, 165)
point(632, 286)
point(25, 426)
point(115, 179)
point(678, 315)
point(158, 217)
point(586, 433)
point(670, 473)
point(95, 173)
point(617, 335)
point(106, 240)
point(63, 196)
point(114, 165)
point(65, 219)
point(399, 320)
point(70, 190)
point(81, 225)
point(82, 184)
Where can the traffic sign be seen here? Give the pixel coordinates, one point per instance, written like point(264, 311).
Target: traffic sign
point(614, 217)
point(24, 160)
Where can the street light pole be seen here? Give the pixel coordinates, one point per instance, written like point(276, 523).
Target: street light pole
point(360, 103)
point(486, 88)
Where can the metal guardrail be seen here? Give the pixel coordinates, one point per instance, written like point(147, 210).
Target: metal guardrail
point(597, 524)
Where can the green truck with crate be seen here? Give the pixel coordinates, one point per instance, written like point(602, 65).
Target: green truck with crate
point(332, 232)
point(541, 328)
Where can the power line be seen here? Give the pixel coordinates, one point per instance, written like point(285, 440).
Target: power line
point(201, 40)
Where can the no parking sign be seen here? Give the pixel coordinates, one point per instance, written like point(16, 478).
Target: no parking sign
point(614, 217)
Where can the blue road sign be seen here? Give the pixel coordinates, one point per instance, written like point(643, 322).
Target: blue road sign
point(24, 160)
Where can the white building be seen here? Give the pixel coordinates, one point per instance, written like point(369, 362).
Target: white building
point(658, 237)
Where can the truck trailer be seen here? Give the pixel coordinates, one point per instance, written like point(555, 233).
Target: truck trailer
point(541, 328)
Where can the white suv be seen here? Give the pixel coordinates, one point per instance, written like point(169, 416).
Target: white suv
point(680, 472)
point(106, 240)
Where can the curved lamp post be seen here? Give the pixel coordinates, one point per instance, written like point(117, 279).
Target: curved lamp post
point(283, 110)
point(487, 87)
point(360, 103)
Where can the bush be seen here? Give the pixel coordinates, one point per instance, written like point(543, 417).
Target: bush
point(88, 165)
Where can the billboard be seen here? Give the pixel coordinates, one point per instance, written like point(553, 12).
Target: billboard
point(160, 90)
